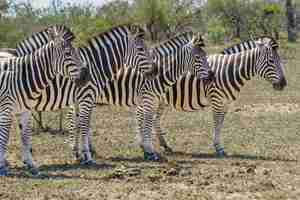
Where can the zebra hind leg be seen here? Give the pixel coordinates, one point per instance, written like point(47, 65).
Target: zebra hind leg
point(160, 133)
point(163, 143)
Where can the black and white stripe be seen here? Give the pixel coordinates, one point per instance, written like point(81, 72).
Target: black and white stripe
point(173, 58)
point(105, 54)
point(232, 72)
point(23, 78)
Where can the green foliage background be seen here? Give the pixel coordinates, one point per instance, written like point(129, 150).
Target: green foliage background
point(220, 20)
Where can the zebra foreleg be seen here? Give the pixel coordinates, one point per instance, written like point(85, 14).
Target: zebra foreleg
point(74, 135)
point(5, 124)
point(148, 113)
point(73, 129)
point(158, 130)
point(84, 123)
point(218, 118)
point(25, 132)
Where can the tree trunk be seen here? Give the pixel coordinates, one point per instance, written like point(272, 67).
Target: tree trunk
point(291, 21)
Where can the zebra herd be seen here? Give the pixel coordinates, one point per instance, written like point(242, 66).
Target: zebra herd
point(45, 72)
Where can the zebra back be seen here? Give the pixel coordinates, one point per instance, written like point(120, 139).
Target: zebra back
point(250, 44)
point(7, 52)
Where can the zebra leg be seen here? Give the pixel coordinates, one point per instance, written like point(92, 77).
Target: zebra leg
point(5, 124)
point(84, 123)
point(158, 130)
point(74, 135)
point(25, 132)
point(148, 114)
point(73, 128)
point(140, 120)
point(218, 118)
point(93, 151)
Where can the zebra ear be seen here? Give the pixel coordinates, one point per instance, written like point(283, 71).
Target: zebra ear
point(259, 43)
point(270, 41)
point(197, 40)
point(137, 31)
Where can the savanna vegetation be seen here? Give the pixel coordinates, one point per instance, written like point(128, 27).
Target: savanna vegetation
point(261, 131)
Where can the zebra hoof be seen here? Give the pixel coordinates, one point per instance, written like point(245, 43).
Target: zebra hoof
point(154, 157)
point(3, 171)
point(88, 162)
point(220, 153)
point(33, 171)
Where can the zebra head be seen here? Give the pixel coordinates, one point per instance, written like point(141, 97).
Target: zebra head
point(200, 64)
point(41, 38)
point(67, 60)
point(269, 64)
point(138, 55)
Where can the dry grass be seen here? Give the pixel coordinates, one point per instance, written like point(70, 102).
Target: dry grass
point(261, 136)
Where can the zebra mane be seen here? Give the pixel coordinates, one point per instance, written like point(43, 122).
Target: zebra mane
point(41, 38)
point(250, 44)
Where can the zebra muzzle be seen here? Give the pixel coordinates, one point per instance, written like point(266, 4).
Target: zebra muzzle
point(83, 78)
point(210, 78)
point(152, 73)
point(280, 85)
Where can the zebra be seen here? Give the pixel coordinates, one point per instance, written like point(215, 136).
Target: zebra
point(130, 85)
point(231, 72)
point(23, 78)
point(105, 54)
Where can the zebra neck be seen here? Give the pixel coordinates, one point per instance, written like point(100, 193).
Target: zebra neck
point(244, 64)
point(174, 66)
point(103, 60)
point(233, 71)
point(36, 70)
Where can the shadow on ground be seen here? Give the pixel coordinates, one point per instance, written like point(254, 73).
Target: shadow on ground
point(230, 156)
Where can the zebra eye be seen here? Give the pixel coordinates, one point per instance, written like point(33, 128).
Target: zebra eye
point(197, 57)
point(140, 44)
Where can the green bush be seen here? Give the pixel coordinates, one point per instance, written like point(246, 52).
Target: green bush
point(216, 31)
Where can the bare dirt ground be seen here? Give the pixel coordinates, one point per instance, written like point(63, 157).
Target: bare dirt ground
point(261, 136)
